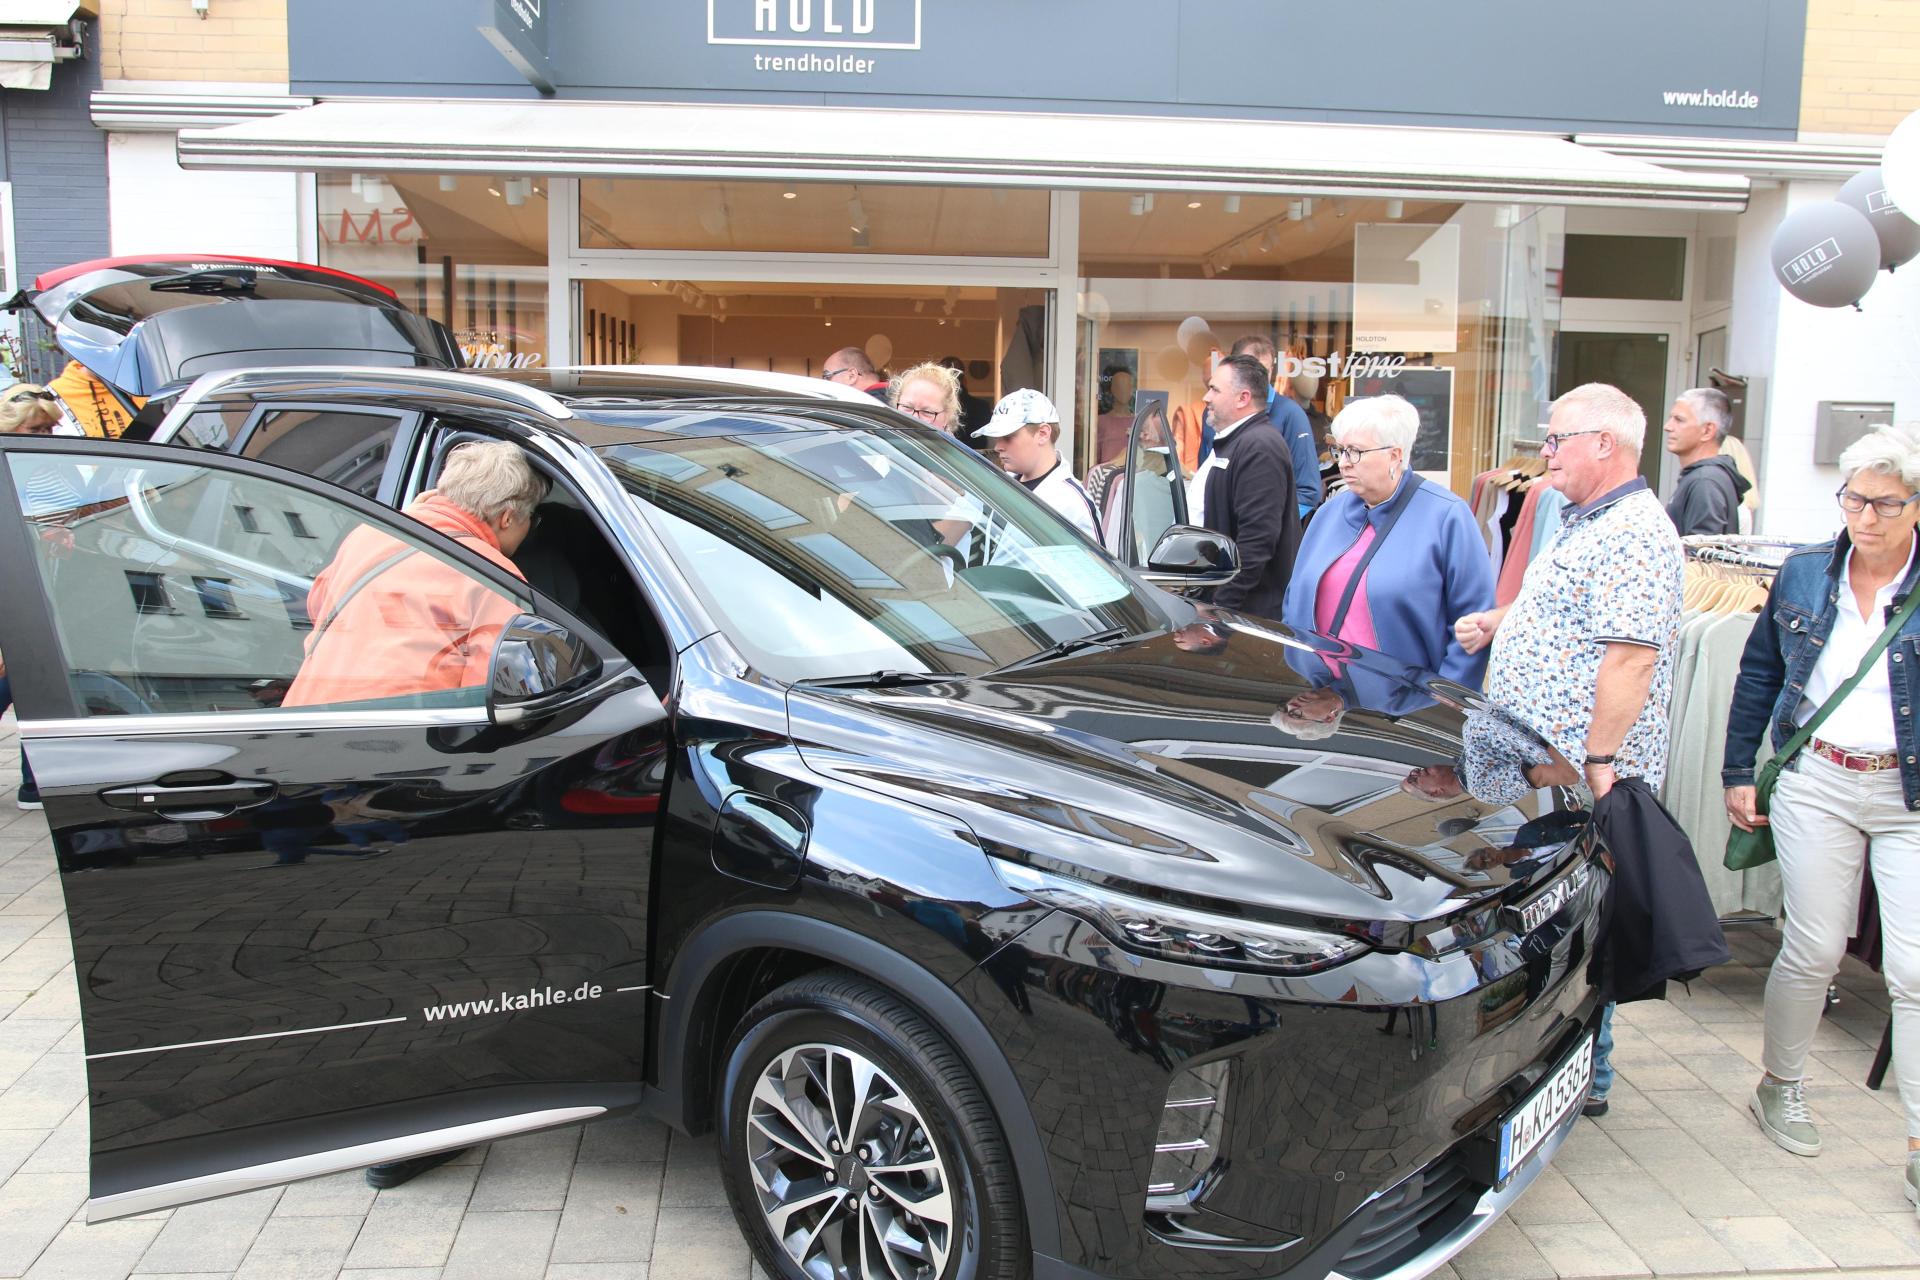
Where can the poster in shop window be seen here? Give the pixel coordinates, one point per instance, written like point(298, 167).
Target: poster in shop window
point(1406, 287)
point(1431, 392)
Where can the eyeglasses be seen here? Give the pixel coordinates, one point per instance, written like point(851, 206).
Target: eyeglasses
point(925, 415)
point(1885, 508)
point(1347, 455)
point(1553, 442)
point(21, 397)
point(831, 374)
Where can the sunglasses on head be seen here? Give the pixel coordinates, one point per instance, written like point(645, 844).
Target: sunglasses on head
point(21, 397)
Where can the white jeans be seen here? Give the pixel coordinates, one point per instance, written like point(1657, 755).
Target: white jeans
point(1826, 822)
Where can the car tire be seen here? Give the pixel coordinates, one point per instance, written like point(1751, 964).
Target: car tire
point(792, 1093)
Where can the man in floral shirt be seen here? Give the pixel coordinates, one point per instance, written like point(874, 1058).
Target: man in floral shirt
point(1584, 654)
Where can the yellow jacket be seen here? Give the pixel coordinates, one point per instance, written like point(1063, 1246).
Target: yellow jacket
point(90, 403)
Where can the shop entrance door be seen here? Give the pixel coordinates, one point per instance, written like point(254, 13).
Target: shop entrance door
point(1640, 358)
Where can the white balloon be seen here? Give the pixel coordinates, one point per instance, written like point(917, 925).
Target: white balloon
point(1192, 329)
point(879, 350)
point(1900, 166)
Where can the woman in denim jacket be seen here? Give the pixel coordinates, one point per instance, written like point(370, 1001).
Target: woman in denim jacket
point(1854, 791)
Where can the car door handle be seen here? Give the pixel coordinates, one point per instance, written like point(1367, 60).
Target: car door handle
point(191, 801)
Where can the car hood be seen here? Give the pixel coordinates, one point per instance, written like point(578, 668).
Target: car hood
point(1188, 775)
point(141, 324)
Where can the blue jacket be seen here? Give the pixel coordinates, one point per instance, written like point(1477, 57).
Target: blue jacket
point(1285, 413)
point(1780, 657)
point(1432, 569)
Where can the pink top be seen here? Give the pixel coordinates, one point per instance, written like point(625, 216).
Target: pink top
point(1358, 628)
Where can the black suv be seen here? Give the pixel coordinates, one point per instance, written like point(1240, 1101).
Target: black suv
point(1005, 913)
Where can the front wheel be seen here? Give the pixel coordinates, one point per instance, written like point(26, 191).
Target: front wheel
point(856, 1144)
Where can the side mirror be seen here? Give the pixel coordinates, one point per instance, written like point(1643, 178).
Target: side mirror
point(1188, 558)
point(539, 668)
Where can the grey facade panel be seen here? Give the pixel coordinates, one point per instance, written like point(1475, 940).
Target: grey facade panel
point(1727, 68)
point(57, 162)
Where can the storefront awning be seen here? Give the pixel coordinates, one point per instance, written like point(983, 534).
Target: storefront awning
point(35, 34)
point(1002, 149)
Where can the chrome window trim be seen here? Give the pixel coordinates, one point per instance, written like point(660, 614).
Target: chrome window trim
point(303, 720)
point(253, 1177)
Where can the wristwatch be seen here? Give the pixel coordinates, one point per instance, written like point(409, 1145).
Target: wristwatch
point(1606, 760)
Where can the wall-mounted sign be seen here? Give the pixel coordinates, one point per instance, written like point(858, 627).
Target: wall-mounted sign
point(816, 24)
point(518, 29)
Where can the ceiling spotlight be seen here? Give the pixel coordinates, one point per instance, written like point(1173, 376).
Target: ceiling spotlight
point(919, 305)
point(356, 183)
point(1193, 204)
point(1296, 210)
point(449, 183)
point(1149, 200)
point(829, 322)
point(1270, 240)
point(789, 194)
point(861, 240)
point(1232, 204)
point(1136, 206)
point(819, 304)
point(373, 191)
point(518, 189)
point(493, 191)
point(1307, 206)
point(1395, 208)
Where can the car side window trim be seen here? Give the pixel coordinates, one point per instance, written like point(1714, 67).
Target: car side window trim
point(399, 456)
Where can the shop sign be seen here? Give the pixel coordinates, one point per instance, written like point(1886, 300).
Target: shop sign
point(376, 226)
point(518, 29)
point(816, 24)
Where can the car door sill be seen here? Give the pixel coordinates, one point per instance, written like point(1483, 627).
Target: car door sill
point(234, 1181)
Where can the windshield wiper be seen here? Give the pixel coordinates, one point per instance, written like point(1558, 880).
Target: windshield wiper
point(882, 679)
point(1065, 647)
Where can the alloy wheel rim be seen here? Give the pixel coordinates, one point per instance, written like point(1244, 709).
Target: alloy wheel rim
point(845, 1169)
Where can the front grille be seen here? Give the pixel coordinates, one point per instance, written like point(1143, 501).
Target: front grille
point(1410, 1217)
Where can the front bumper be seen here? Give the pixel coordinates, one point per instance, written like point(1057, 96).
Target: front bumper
point(1358, 1113)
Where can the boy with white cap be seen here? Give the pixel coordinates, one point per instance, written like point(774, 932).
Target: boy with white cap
point(1024, 429)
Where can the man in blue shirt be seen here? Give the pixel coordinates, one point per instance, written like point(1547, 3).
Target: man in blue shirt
point(1286, 414)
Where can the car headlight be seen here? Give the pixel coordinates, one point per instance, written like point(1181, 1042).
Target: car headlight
point(1181, 934)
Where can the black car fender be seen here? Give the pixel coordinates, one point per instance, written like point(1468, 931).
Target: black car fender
point(697, 969)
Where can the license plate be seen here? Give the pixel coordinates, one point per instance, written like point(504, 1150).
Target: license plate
point(1565, 1089)
point(1550, 901)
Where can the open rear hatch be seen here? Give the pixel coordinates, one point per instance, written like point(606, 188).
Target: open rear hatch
point(142, 324)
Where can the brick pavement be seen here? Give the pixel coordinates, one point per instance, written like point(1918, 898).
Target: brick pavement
point(1674, 1181)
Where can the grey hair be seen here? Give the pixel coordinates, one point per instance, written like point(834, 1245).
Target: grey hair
point(1600, 407)
point(489, 478)
point(938, 375)
point(1887, 451)
point(1393, 419)
point(1711, 406)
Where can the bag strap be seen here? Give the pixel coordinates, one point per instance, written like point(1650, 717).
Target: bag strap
point(359, 584)
point(1841, 694)
point(1396, 508)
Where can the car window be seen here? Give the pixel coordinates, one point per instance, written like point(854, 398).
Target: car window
point(183, 589)
point(339, 447)
point(838, 552)
point(215, 429)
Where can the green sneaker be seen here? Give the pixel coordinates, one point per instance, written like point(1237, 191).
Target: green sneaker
point(1782, 1112)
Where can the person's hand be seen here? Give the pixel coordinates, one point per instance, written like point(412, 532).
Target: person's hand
point(1555, 773)
point(1475, 631)
point(1743, 808)
point(1600, 779)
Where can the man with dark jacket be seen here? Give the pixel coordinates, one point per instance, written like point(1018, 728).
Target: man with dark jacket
point(1707, 499)
point(1245, 489)
point(1286, 414)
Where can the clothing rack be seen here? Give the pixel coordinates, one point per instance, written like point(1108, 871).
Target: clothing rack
point(1743, 551)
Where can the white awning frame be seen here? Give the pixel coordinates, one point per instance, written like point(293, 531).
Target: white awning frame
point(1000, 149)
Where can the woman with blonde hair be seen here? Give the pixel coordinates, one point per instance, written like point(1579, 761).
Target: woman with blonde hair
point(28, 409)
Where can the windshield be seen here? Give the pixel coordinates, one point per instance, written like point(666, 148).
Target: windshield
point(842, 552)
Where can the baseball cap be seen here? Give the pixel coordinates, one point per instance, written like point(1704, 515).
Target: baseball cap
point(1018, 409)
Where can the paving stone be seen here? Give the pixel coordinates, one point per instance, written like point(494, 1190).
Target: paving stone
point(83, 1252)
point(1585, 1249)
point(692, 1243)
point(338, 1195)
point(211, 1236)
point(597, 1271)
point(1552, 1200)
point(1671, 1242)
point(1590, 1149)
point(299, 1249)
point(65, 1149)
point(1766, 1244)
point(503, 1246)
point(527, 1173)
point(1503, 1252)
point(391, 1273)
point(16, 1146)
point(693, 1174)
point(623, 1139)
point(45, 1092)
point(33, 1209)
point(414, 1225)
point(1869, 1191)
point(610, 1214)
point(1860, 1240)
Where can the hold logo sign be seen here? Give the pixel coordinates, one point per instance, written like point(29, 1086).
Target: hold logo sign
point(1880, 202)
point(816, 24)
point(1815, 261)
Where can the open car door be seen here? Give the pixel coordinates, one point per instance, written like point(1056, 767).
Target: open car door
point(355, 833)
point(1152, 493)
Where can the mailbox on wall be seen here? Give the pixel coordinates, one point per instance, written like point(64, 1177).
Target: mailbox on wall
point(1841, 422)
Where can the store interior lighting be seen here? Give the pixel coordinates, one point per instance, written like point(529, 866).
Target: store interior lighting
point(355, 183)
point(1136, 206)
point(1307, 206)
point(1396, 208)
point(449, 183)
point(373, 191)
point(518, 189)
point(789, 194)
point(1296, 210)
point(1193, 204)
point(1231, 204)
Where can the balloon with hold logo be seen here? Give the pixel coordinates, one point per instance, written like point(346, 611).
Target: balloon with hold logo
point(1826, 254)
point(1900, 166)
point(1899, 235)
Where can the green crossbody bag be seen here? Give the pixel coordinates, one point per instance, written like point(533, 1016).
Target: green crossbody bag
point(1755, 848)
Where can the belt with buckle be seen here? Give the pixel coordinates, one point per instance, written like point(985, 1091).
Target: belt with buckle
point(1858, 761)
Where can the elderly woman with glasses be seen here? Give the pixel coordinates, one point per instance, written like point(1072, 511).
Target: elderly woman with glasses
point(1390, 562)
point(1852, 793)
